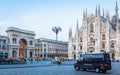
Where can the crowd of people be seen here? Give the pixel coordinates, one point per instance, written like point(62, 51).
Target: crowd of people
point(12, 61)
point(55, 60)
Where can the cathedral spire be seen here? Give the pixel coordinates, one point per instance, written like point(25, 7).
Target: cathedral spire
point(117, 15)
point(99, 10)
point(107, 16)
point(86, 14)
point(103, 12)
point(70, 32)
point(83, 14)
point(116, 9)
point(77, 25)
point(96, 11)
point(77, 29)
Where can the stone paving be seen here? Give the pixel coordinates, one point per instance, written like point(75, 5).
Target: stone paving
point(35, 64)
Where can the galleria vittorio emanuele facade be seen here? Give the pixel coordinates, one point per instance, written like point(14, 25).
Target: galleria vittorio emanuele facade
point(98, 33)
point(21, 44)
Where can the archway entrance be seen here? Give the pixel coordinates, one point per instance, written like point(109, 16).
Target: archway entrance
point(14, 54)
point(22, 49)
point(31, 54)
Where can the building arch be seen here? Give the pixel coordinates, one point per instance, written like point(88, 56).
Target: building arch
point(14, 54)
point(103, 46)
point(112, 44)
point(31, 54)
point(103, 37)
point(22, 48)
point(23, 40)
point(91, 49)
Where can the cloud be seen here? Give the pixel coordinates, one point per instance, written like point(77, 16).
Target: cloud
point(28, 17)
point(3, 22)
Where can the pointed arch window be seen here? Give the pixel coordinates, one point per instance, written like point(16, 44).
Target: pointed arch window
point(80, 39)
point(91, 40)
point(91, 28)
point(74, 47)
point(80, 47)
point(112, 45)
point(103, 37)
point(103, 46)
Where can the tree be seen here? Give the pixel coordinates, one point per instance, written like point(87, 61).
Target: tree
point(56, 30)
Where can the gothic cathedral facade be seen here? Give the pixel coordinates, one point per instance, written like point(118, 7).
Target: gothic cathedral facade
point(96, 34)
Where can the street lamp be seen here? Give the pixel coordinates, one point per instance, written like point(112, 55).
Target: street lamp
point(56, 30)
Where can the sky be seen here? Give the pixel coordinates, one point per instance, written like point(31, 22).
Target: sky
point(41, 16)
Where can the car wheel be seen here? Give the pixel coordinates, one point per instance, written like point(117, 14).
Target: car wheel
point(104, 71)
point(84, 69)
point(97, 70)
point(77, 68)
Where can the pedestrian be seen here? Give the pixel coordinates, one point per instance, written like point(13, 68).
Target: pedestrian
point(37, 60)
point(31, 60)
point(59, 62)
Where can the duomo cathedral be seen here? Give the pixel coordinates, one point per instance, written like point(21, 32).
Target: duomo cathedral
point(98, 33)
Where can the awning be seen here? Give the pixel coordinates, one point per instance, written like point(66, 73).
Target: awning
point(6, 54)
point(1, 54)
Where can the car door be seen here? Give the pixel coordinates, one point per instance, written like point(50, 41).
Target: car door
point(80, 62)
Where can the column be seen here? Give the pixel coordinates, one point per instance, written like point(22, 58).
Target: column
point(10, 54)
point(17, 54)
point(28, 53)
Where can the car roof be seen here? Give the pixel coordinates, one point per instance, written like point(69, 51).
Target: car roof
point(97, 53)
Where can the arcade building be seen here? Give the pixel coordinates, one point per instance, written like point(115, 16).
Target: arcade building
point(18, 44)
point(21, 44)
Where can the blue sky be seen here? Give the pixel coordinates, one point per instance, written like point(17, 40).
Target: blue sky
point(41, 15)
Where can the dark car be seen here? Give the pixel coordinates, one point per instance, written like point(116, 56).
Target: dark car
point(100, 62)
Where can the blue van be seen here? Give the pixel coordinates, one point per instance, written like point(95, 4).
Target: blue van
point(100, 62)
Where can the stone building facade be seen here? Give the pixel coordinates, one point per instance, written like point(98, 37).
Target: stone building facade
point(21, 43)
point(49, 49)
point(98, 33)
point(4, 51)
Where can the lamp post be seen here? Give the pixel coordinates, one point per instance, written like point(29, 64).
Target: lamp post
point(56, 30)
